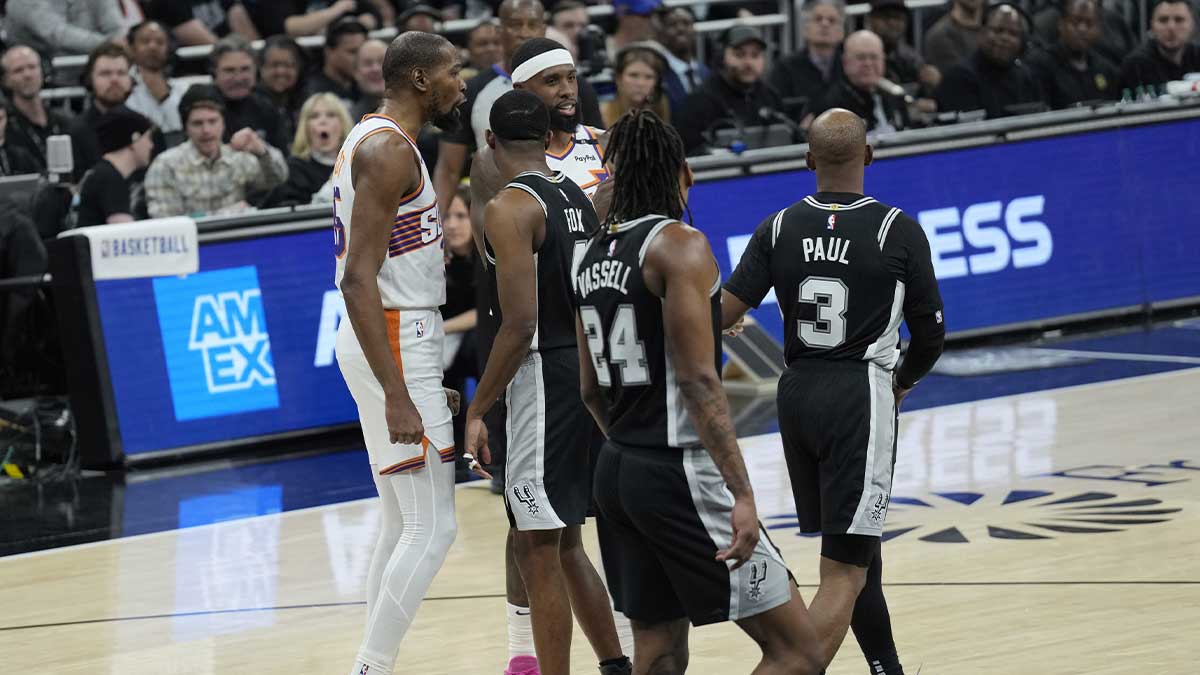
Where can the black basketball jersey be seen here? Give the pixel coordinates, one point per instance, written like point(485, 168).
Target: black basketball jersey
point(570, 218)
point(846, 269)
point(623, 322)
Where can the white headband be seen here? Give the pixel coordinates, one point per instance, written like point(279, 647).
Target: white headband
point(554, 57)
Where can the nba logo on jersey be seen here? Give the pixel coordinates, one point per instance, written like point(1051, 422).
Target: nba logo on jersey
point(612, 246)
point(832, 221)
point(420, 325)
point(364, 670)
point(216, 343)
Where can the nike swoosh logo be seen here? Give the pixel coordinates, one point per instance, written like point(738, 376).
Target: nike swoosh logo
point(520, 613)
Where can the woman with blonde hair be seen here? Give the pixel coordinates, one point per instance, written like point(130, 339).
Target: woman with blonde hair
point(320, 132)
point(639, 79)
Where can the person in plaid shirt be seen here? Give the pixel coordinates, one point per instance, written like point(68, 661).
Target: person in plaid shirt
point(205, 176)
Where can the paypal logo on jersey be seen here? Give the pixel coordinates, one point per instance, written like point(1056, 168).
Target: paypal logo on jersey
point(1001, 235)
point(217, 347)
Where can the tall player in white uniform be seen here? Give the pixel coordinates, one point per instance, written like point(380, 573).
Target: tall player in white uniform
point(388, 243)
point(543, 67)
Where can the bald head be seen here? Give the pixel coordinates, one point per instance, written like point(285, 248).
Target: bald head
point(863, 60)
point(837, 140)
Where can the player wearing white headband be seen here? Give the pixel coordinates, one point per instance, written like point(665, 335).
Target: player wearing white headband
point(544, 68)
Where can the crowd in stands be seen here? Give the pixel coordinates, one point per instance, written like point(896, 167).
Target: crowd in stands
point(259, 125)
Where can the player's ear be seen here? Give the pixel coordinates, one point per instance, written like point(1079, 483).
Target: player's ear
point(420, 79)
point(810, 162)
point(546, 140)
point(689, 178)
point(490, 138)
point(868, 155)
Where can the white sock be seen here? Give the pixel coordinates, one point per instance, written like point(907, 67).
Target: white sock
point(520, 631)
point(361, 667)
point(624, 633)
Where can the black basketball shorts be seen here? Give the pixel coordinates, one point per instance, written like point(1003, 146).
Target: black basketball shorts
point(547, 475)
point(838, 422)
point(663, 515)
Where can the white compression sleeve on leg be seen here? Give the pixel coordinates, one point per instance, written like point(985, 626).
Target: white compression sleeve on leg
point(424, 504)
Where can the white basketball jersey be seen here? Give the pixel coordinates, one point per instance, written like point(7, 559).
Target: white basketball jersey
point(582, 161)
point(413, 275)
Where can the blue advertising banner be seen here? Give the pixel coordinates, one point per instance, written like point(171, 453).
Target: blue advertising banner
point(1019, 232)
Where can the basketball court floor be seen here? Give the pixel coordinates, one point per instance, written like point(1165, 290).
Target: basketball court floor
point(1044, 521)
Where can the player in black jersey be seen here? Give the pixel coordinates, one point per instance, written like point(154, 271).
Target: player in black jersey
point(531, 230)
point(845, 269)
point(679, 531)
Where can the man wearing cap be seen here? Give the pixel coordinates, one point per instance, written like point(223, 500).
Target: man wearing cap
point(126, 146)
point(205, 176)
point(889, 20)
point(733, 96)
point(420, 17)
point(633, 22)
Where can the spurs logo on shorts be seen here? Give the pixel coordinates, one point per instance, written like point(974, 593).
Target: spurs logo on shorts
point(758, 574)
point(879, 509)
point(525, 495)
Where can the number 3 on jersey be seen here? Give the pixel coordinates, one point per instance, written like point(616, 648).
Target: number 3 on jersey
point(624, 348)
point(830, 296)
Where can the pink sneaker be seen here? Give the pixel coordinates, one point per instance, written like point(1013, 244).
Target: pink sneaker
point(522, 665)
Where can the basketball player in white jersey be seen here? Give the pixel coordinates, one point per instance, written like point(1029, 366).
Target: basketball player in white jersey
point(543, 67)
point(388, 243)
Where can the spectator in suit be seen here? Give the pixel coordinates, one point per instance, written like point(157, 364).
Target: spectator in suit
point(234, 70)
point(858, 89)
point(638, 76)
point(1169, 54)
point(336, 76)
point(1072, 70)
point(994, 79)
point(56, 27)
point(733, 96)
point(106, 77)
point(30, 120)
point(324, 125)
point(955, 36)
point(801, 78)
point(675, 31)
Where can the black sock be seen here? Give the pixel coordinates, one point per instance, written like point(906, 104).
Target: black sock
point(872, 625)
point(617, 666)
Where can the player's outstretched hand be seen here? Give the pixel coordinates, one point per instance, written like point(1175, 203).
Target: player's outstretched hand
point(745, 533)
point(453, 401)
point(403, 420)
point(477, 452)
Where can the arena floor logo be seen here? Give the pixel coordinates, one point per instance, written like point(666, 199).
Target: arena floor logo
point(962, 517)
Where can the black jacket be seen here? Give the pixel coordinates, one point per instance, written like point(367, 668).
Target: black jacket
point(1146, 66)
point(718, 104)
point(23, 133)
point(257, 113)
point(845, 95)
point(796, 76)
point(1064, 85)
point(978, 84)
point(305, 177)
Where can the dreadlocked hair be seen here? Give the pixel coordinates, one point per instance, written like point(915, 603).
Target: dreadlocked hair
point(647, 155)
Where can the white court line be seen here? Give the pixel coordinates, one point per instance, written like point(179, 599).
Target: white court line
point(747, 439)
point(1122, 356)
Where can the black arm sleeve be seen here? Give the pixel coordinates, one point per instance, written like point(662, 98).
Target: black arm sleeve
point(907, 253)
point(751, 279)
